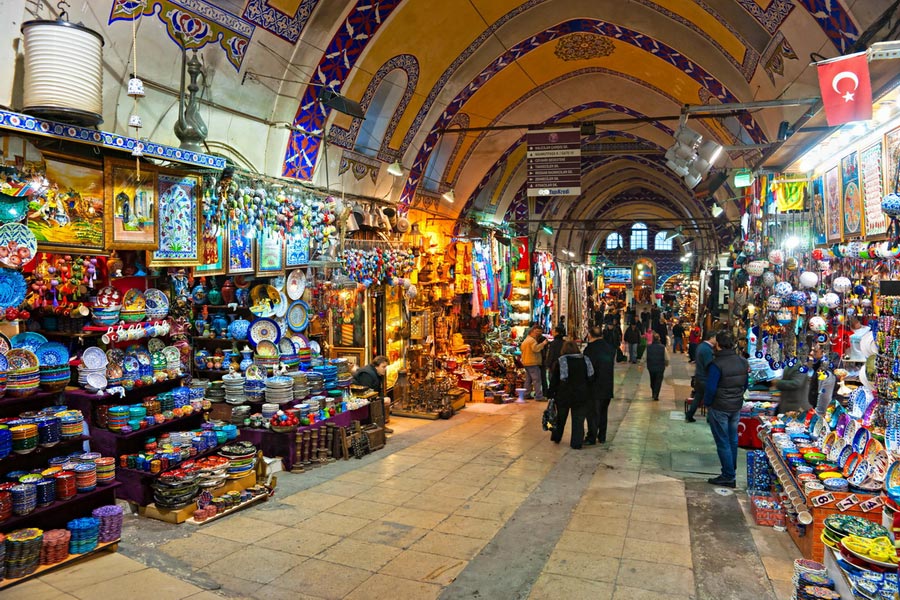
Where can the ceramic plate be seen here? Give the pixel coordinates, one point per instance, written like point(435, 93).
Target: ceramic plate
point(155, 344)
point(298, 316)
point(282, 307)
point(264, 329)
point(134, 300)
point(156, 299)
point(861, 440)
point(22, 358)
point(130, 366)
point(4, 364)
point(52, 354)
point(94, 358)
point(300, 342)
point(97, 381)
point(17, 245)
point(28, 339)
point(286, 346)
point(115, 355)
point(109, 296)
point(278, 283)
point(314, 346)
point(869, 559)
point(878, 463)
point(296, 284)
point(267, 349)
point(5, 344)
point(264, 300)
point(12, 288)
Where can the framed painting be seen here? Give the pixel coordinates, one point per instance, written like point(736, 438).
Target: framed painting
point(240, 250)
point(179, 214)
point(818, 212)
point(356, 356)
point(851, 200)
point(212, 232)
point(834, 226)
point(68, 216)
point(296, 250)
point(892, 162)
point(871, 185)
point(270, 254)
point(131, 207)
point(213, 257)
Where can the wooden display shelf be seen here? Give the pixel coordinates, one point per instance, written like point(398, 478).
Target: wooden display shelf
point(242, 506)
point(104, 547)
point(32, 399)
point(111, 443)
point(144, 391)
point(69, 334)
point(43, 517)
point(9, 463)
point(149, 475)
point(183, 514)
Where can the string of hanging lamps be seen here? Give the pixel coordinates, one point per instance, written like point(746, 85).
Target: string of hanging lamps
point(136, 91)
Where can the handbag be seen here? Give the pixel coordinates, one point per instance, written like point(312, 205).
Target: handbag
point(548, 419)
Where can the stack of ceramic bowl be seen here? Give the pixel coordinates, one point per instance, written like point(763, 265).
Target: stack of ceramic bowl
point(329, 373)
point(242, 458)
point(54, 378)
point(216, 391)
point(255, 389)
point(238, 414)
point(279, 390)
point(105, 316)
point(111, 517)
point(72, 423)
point(301, 388)
point(85, 535)
point(24, 498)
point(234, 388)
point(23, 552)
point(156, 304)
point(269, 409)
point(93, 362)
point(316, 383)
point(24, 438)
point(49, 430)
point(55, 546)
point(106, 469)
point(3, 379)
point(23, 383)
point(5, 441)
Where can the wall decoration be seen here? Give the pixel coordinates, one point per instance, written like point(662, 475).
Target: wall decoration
point(356, 356)
point(130, 206)
point(69, 214)
point(818, 212)
point(275, 21)
point(240, 249)
point(192, 24)
point(871, 178)
point(213, 258)
point(212, 243)
point(296, 250)
point(270, 252)
point(891, 161)
point(851, 200)
point(833, 218)
point(583, 46)
point(179, 213)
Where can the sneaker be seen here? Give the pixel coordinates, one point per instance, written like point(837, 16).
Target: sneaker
point(721, 481)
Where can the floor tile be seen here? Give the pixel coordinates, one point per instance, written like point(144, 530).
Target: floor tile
point(673, 534)
point(430, 502)
point(359, 554)
point(447, 544)
point(481, 529)
point(238, 528)
point(425, 567)
point(147, 584)
point(553, 587)
point(623, 592)
point(97, 568)
point(357, 507)
point(389, 495)
point(486, 510)
point(591, 543)
point(595, 524)
point(284, 514)
point(339, 525)
point(453, 490)
point(34, 589)
point(495, 496)
point(299, 541)
point(257, 564)
point(657, 577)
point(271, 592)
point(668, 516)
point(404, 482)
point(385, 587)
point(313, 500)
point(656, 551)
point(604, 509)
point(390, 533)
point(584, 566)
point(425, 519)
point(322, 579)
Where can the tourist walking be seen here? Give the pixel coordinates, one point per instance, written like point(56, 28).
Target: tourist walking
point(657, 361)
point(694, 340)
point(569, 387)
point(532, 360)
point(678, 337)
point(726, 383)
point(705, 352)
point(633, 340)
point(602, 355)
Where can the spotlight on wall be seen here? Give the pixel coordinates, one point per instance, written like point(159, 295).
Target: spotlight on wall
point(717, 211)
point(449, 196)
point(395, 169)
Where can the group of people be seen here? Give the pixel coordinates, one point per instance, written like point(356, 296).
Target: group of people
point(579, 382)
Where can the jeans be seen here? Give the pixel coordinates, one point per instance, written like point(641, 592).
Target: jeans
point(632, 352)
point(678, 345)
point(579, 413)
point(533, 376)
point(656, 379)
point(699, 392)
point(724, 427)
point(597, 419)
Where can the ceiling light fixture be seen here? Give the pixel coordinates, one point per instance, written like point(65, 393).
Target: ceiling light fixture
point(395, 169)
point(449, 196)
point(717, 211)
point(340, 103)
point(547, 229)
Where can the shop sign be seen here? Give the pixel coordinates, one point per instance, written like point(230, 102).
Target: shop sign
point(554, 162)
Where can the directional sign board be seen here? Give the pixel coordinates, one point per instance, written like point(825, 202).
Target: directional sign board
point(554, 162)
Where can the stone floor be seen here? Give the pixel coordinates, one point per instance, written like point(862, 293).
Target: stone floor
point(480, 506)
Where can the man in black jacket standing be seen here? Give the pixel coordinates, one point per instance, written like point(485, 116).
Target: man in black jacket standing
point(726, 382)
point(602, 355)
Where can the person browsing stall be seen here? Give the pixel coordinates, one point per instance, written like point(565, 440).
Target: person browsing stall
point(532, 360)
point(726, 382)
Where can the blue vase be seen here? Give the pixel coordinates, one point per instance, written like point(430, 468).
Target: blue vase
point(239, 329)
point(219, 324)
point(199, 325)
point(247, 360)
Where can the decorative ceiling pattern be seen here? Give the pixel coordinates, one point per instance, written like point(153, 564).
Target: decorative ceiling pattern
point(269, 15)
point(583, 46)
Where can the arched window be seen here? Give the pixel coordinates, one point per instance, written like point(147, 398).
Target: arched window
point(380, 111)
point(662, 241)
point(437, 164)
point(614, 241)
point(639, 236)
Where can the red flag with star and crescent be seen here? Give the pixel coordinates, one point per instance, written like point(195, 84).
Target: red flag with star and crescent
point(846, 89)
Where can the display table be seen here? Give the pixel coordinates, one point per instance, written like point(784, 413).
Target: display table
point(284, 445)
point(808, 536)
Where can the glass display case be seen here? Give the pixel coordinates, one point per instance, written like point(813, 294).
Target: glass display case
point(387, 328)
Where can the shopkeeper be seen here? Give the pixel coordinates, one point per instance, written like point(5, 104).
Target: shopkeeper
point(372, 375)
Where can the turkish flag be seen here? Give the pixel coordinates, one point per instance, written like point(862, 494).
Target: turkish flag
point(846, 89)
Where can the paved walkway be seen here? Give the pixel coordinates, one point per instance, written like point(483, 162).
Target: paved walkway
point(480, 506)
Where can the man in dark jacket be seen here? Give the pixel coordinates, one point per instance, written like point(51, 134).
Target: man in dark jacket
point(603, 358)
point(794, 386)
point(726, 383)
point(554, 349)
point(704, 355)
point(678, 337)
point(372, 374)
point(663, 330)
point(657, 361)
point(632, 338)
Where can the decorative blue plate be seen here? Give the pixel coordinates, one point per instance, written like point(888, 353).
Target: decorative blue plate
point(17, 245)
point(264, 329)
point(12, 288)
point(298, 316)
point(4, 364)
point(52, 354)
point(28, 339)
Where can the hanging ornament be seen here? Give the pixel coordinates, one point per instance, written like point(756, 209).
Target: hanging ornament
point(773, 303)
point(791, 264)
point(841, 285)
point(776, 256)
point(818, 324)
point(783, 288)
point(808, 279)
point(756, 268)
point(769, 279)
point(817, 254)
point(831, 300)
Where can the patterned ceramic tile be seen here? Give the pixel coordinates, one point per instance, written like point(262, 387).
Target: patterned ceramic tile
point(287, 27)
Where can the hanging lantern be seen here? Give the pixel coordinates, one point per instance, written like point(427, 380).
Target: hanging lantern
point(818, 324)
point(784, 317)
point(773, 303)
point(783, 288)
point(769, 279)
point(756, 267)
point(841, 285)
point(776, 256)
point(808, 279)
point(831, 300)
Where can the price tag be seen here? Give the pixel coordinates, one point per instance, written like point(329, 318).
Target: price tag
point(871, 503)
point(847, 503)
point(823, 499)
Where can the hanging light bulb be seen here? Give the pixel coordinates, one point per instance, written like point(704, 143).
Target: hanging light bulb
point(395, 169)
point(449, 196)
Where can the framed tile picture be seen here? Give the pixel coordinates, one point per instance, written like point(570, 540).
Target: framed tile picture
point(851, 199)
point(270, 253)
point(296, 250)
point(130, 205)
point(241, 249)
point(179, 213)
point(834, 225)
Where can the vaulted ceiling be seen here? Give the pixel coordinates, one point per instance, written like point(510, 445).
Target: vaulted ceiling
point(422, 68)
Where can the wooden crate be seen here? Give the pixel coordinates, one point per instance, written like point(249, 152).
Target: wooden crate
point(376, 437)
point(183, 514)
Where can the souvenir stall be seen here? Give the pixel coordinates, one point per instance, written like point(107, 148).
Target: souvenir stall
point(544, 290)
point(520, 285)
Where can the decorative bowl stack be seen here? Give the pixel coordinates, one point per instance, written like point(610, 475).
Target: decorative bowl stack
point(23, 377)
point(93, 366)
point(54, 366)
point(107, 308)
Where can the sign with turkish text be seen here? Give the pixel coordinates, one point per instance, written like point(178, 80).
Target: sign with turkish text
point(554, 162)
point(846, 89)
